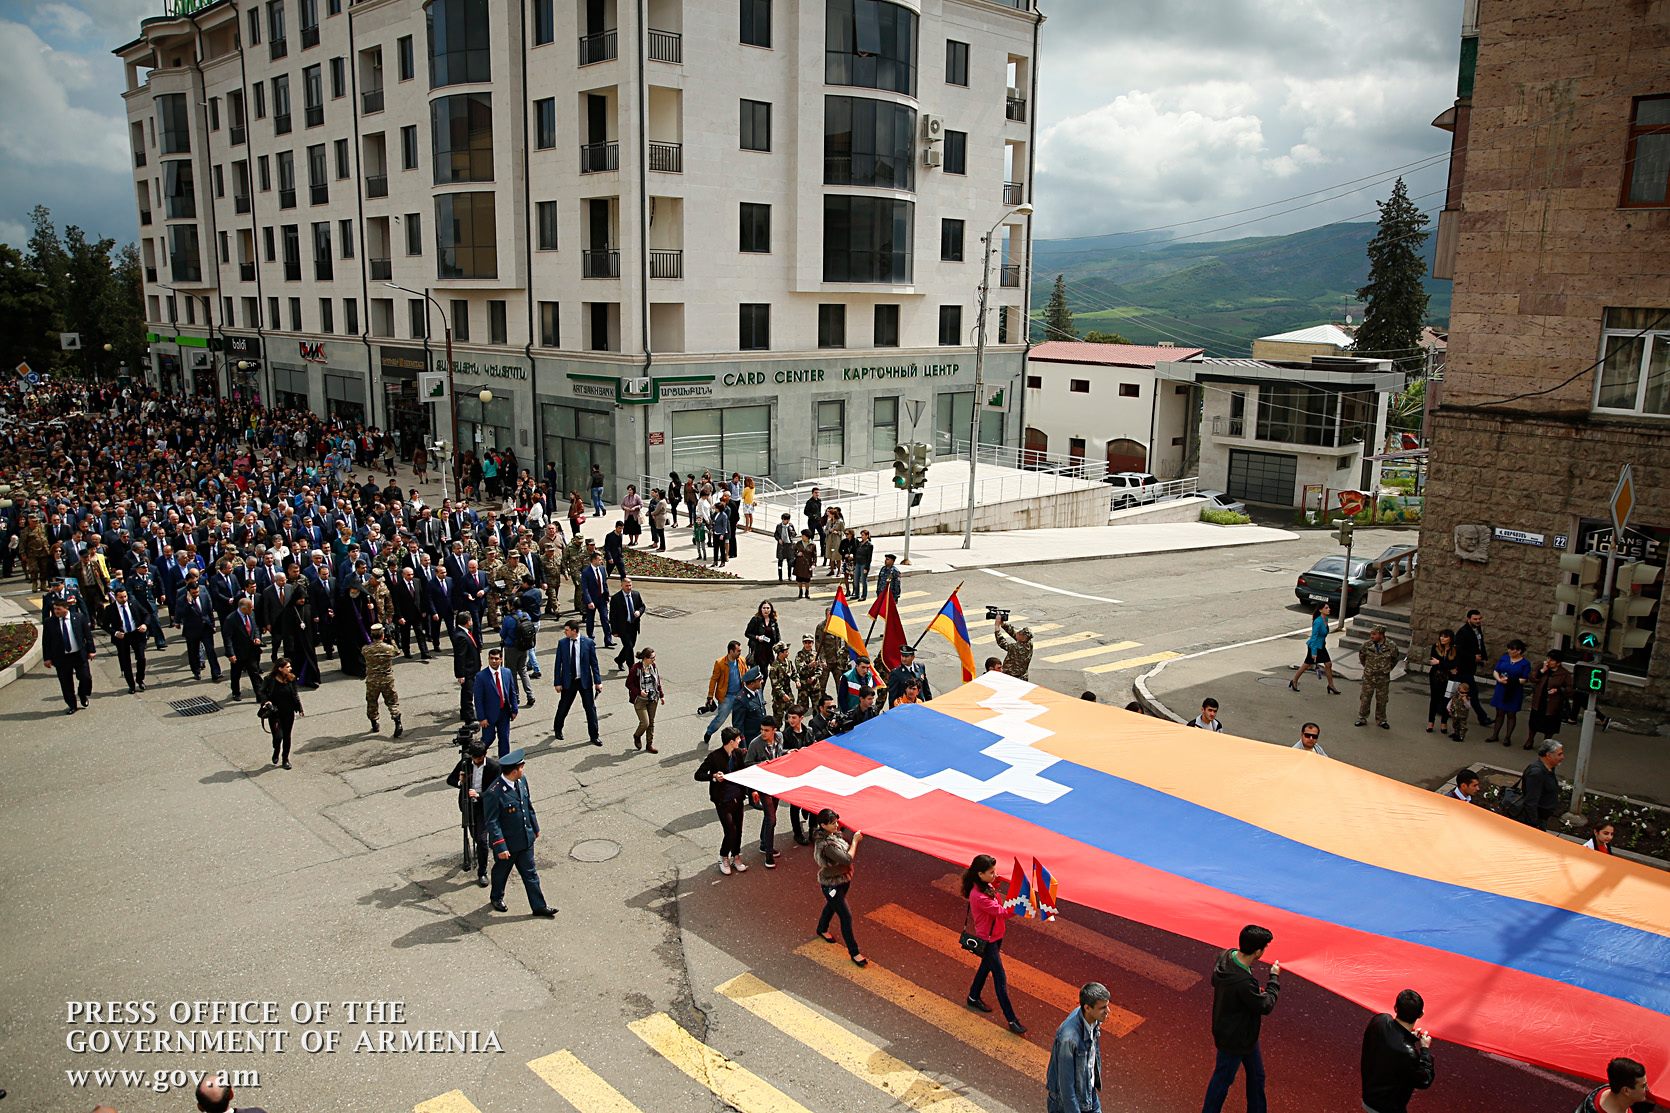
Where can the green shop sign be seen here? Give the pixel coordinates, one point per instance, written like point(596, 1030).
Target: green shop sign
point(185, 7)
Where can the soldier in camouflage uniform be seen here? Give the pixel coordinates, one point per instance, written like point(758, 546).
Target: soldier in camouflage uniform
point(782, 677)
point(37, 552)
point(574, 560)
point(551, 559)
point(1017, 648)
point(807, 670)
point(1377, 656)
point(832, 652)
point(379, 679)
point(381, 598)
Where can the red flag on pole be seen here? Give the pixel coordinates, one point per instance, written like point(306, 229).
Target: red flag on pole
point(893, 636)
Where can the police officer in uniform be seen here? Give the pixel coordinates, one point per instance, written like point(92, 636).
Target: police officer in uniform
point(379, 679)
point(907, 671)
point(512, 828)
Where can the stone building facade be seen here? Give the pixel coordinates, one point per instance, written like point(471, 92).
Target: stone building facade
point(1559, 359)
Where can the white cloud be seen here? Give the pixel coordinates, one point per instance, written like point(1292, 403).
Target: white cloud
point(63, 19)
point(13, 233)
point(49, 132)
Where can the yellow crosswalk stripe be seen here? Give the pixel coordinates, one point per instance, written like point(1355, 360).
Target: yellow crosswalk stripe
point(579, 1085)
point(453, 1102)
point(1023, 976)
point(969, 1029)
point(1042, 628)
point(902, 595)
point(921, 608)
point(736, 1086)
point(1064, 639)
point(850, 1052)
point(1097, 945)
point(1093, 651)
point(1133, 662)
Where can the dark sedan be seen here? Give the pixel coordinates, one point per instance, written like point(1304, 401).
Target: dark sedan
point(1321, 582)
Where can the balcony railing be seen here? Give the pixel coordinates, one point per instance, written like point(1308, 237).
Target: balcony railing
point(666, 46)
point(287, 198)
point(599, 157)
point(281, 124)
point(666, 158)
point(1013, 193)
point(236, 132)
point(319, 194)
point(376, 185)
point(310, 37)
point(246, 271)
point(280, 48)
point(144, 216)
point(1009, 274)
point(315, 115)
point(240, 203)
point(150, 274)
point(371, 101)
point(599, 47)
point(1229, 426)
point(666, 264)
point(600, 262)
point(382, 270)
point(139, 158)
point(292, 272)
point(1015, 108)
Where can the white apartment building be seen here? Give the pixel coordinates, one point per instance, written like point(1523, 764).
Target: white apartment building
point(733, 234)
point(1106, 403)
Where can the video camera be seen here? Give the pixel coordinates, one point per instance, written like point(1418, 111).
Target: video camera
point(999, 614)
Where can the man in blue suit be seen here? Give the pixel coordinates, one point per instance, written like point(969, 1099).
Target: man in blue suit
point(197, 623)
point(594, 597)
point(577, 675)
point(512, 828)
point(495, 702)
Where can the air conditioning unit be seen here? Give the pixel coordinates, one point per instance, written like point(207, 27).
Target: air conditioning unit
point(933, 127)
point(635, 388)
point(933, 156)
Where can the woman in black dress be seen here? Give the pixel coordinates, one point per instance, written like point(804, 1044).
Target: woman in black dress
point(762, 636)
point(1441, 671)
point(282, 703)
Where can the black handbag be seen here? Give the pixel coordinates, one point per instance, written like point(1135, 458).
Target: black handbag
point(970, 942)
point(1513, 801)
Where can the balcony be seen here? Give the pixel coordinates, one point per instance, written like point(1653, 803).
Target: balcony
point(596, 158)
point(1013, 193)
point(281, 124)
point(1015, 109)
point(246, 271)
point(371, 101)
point(139, 158)
point(319, 194)
point(376, 185)
point(597, 48)
point(236, 132)
point(600, 262)
point(310, 37)
point(1229, 427)
point(1009, 274)
point(666, 158)
point(381, 269)
point(241, 203)
point(666, 46)
point(666, 264)
point(144, 216)
point(315, 115)
point(322, 270)
point(292, 272)
point(280, 48)
point(287, 198)
point(150, 274)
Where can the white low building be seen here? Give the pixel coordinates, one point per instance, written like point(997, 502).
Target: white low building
point(1107, 403)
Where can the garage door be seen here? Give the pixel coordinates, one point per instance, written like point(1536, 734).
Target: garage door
point(1266, 477)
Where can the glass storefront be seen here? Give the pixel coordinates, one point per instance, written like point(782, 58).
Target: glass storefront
point(406, 415)
point(575, 439)
point(290, 387)
point(482, 426)
point(952, 414)
point(722, 441)
point(831, 432)
point(345, 397)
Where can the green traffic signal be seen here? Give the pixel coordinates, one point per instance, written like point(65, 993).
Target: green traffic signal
point(1588, 640)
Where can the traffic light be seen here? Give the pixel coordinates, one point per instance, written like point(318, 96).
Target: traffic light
point(901, 466)
point(1629, 606)
point(918, 466)
point(1584, 597)
point(1346, 526)
point(1591, 681)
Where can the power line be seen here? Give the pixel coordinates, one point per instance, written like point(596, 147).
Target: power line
point(1660, 319)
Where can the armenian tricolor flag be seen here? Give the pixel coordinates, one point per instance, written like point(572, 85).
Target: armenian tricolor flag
point(1043, 891)
point(949, 624)
point(842, 625)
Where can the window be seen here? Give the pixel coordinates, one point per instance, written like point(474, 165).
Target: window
point(214, 113)
point(317, 173)
point(173, 125)
point(179, 191)
point(291, 236)
point(408, 147)
point(756, 22)
point(414, 233)
point(867, 239)
point(281, 104)
point(463, 134)
point(341, 159)
point(339, 78)
point(346, 232)
point(333, 7)
point(870, 43)
point(225, 250)
point(295, 314)
point(263, 172)
point(1130, 390)
point(1635, 368)
point(1647, 161)
point(417, 316)
point(466, 236)
point(956, 63)
point(459, 49)
point(550, 333)
point(313, 95)
point(460, 311)
point(545, 123)
point(403, 48)
point(1002, 325)
point(956, 152)
point(1296, 414)
point(260, 101)
point(884, 429)
point(951, 240)
point(737, 438)
point(1078, 386)
point(869, 143)
point(544, 22)
point(951, 325)
point(887, 326)
point(275, 29)
point(954, 416)
point(831, 439)
point(756, 227)
point(322, 257)
point(545, 218)
point(327, 319)
point(832, 326)
point(286, 180)
point(496, 326)
point(756, 125)
point(1034, 382)
point(268, 250)
point(309, 22)
point(254, 27)
point(753, 328)
point(350, 316)
point(235, 114)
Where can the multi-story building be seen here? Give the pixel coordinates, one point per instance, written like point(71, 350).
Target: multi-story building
point(1556, 232)
point(1105, 402)
point(668, 234)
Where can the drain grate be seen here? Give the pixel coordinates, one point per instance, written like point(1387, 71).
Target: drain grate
point(668, 612)
point(197, 705)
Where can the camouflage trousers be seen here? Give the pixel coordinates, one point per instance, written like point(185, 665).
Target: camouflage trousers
point(374, 690)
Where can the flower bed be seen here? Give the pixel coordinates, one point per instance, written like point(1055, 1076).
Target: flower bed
point(1641, 828)
point(640, 563)
point(15, 640)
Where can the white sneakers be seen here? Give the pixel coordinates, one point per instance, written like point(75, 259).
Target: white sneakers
point(738, 864)
point(724, 865)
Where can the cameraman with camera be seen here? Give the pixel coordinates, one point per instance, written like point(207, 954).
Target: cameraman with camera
point(472, 776)
point(1016, 644)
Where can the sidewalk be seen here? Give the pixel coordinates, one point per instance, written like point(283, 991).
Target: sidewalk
point(1249, 682)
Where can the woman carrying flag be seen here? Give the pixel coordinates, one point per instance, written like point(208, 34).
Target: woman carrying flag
point(988, 919)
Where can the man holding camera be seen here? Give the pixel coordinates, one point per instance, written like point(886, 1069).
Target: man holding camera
point(474, 774)
point(1016, 644)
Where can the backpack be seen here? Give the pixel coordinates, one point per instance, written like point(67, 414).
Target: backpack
point(525, 635)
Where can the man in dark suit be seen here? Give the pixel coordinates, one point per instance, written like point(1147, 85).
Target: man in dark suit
point(626, 615)
point(512, 828)
point(243, 646)
point(496, 702)
point(614, 549)
point(142, 592)
point(197, 623)
point(594, 598)
point(67, 648)
point(577, 674)
point(224, 590)
point(411, 610)
point(472, 777)
point(127, 626)
point(466, 662)
point(440, 599)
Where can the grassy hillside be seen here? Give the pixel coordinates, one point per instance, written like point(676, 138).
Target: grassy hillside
point(1221, 295)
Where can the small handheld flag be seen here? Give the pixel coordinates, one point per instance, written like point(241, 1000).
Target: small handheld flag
point(1043, 891)
point(1019, 900)
point(949, 624)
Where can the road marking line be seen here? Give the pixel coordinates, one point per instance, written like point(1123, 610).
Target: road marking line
point(902, 595)
point(845, 1049)
point(959, 1023)
point(1023, 976)
point(1097, 945)
point(579, 1085)
point(1094, 651)
point(1065, 639)
point(734, 1085)
point(921, 608)
point(1133, 662)
point(453, 1102)
point(1042, 628)
point(1047, 587)
point(1560, 1079)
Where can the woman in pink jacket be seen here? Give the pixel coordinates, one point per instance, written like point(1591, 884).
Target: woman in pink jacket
point(987, 920)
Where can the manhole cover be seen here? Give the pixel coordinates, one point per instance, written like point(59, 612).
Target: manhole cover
point(668, 612)
point(594, 850)
point(197, 705)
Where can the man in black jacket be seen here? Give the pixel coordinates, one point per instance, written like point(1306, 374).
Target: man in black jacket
point(1239, 1007)
point(243, 646)
point(67, 649)
point(1397, 1056)
point(1470, 656)
point(472, 777)
point(1541, 785)
point(626, 616)
point(127, 625)
point(466, 662)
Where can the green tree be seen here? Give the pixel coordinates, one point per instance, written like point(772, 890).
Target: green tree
point(70, 283)
point(1396, 300)
point(26, 307)
point(1094, 337)
point(1058, 319)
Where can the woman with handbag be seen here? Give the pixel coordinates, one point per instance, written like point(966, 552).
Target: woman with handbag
point(987, 920)
point(727, 798)
point(1316, 650)
point(1441, 662)
point(763, 635)
point(648, 694)
point(1512, 672)
point(834, 858)
point(280, 704)
point(576, 513)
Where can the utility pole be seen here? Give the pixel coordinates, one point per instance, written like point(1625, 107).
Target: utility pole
point(1023, 209)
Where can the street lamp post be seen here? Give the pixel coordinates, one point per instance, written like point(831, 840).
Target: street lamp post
point(1022, 209)
point(451, 395)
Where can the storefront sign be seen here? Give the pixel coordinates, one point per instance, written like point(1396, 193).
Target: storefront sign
point(403, 362)
point(685, 390)
point(245, 347)
point(606, 391)
point(1517, 537)
point(487, 370)
point(312, 350)
point(899, 371)
point(656, 440)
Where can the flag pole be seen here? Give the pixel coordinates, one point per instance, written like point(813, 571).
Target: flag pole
point(954, 591)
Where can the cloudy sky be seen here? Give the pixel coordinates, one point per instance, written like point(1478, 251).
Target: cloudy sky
point(1150, 114)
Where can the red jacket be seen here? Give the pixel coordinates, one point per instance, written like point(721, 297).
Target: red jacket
point(990, 917)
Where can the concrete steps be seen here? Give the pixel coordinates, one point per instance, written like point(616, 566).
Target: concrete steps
point(1398, 631)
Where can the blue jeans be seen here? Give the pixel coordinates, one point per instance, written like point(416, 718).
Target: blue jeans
point(723, 716)
point(1224, 1073)
point(597, 501)
point(992, 963)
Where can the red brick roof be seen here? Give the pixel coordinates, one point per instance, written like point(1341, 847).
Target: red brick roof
point(1110, 355)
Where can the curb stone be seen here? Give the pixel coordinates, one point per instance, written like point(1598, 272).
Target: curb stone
point(23, 664)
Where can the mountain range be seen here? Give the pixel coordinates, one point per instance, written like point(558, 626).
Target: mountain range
point(1219, 295)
